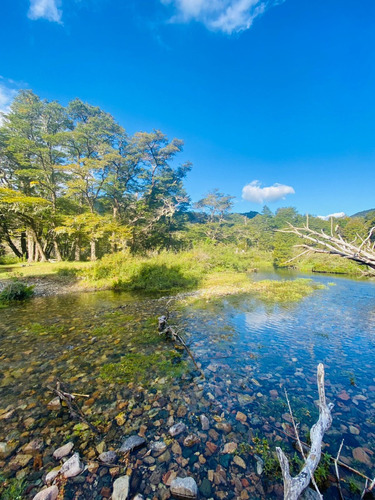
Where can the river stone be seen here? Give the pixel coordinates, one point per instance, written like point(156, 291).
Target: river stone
point(205, 488)
point(177, 429)
point(353, 430)
point(72, 467)
point(132, 443)
point(157, 448)
point(47, 494)
point(310, 494)
point(5, 450)
point(230, 447)
point(108, 457)
point(34, 447)
point(63, 451)
point(239, 461)
point(204, 422)
point(121, 488)
point(51, 475)
point(184, 488)
point(54, 404)
point(361, 455)
point(191, 440)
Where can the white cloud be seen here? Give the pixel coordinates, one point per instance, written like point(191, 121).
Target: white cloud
point(45, 9)
point(6, 97)
point(222, 15)
point(256, 194)
point(337, 215)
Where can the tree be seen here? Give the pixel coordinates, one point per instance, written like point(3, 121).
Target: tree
point(360, 250)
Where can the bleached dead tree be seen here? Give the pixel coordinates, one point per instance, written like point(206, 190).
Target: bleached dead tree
point(294, 486)
point(360, 250)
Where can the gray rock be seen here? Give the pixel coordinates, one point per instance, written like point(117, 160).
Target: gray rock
point(5, 450)
point(63, 451)
point(51, 475)
point(177, 429)
point(72, 467)
point(54, 404)
point(309, 494)
point(121, 488)
point(108, 457)
point(138, 496)
point(204, 422)
point(132, 443)
point(47, 494)
point(157, 448)
point(184, 488)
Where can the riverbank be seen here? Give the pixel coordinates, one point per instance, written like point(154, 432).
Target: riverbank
point(217, 270)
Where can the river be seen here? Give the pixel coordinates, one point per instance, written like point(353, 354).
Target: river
point(106, 345)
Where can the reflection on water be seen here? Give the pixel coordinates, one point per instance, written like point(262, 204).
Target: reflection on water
point(250, 352)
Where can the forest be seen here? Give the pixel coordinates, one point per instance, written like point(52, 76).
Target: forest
point(76, 186)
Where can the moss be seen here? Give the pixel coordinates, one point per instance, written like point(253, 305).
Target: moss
point(11, 489)
point(142, 368)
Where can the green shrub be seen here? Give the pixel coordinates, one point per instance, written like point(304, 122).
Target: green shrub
point(7, 260)
point(16, 290)
point(67, 272)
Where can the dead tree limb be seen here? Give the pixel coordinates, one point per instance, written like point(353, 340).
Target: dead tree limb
point(337, 471)
point(167, 330)
point(334, 244)
point(74, 410)
point(293, 487)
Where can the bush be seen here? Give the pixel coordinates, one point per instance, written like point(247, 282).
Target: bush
point(67, 272)
point(16, 291)
point(7, 260)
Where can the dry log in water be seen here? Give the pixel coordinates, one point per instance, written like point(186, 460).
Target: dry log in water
point(74, 410)
point(294, 486)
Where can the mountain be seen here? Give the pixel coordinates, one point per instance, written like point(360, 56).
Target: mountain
point(364, 213)
point(250, 215)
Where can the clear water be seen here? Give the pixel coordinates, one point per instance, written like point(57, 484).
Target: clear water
point(248, 350)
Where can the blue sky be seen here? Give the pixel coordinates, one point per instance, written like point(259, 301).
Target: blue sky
point(275, 92)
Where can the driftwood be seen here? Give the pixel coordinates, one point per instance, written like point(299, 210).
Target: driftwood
point(360, 250)
point(167, 330)
point(74, 410)
point(293, 487)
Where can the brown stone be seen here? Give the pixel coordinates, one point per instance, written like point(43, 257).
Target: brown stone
point(105, 492)
point(343, 395)
point(211, 447)
point(241, 417)
point(361, 455)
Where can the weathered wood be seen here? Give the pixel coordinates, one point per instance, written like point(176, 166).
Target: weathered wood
point(334, 244)
point(294, 486)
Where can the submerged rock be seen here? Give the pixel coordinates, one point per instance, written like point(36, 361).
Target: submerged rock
point(184, 488)
point(239, 461)
point(5, 450)
point(51, 475)
point(157, 448)
point(361, 455)
point(132, 443)
point(63, 451)
point(50, 493)
point(177, 429)
point(54, 404)
point(204, 422)
point(121, 488)
point(108, 457)
point(72, 467)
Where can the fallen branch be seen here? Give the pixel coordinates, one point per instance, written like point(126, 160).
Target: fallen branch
point(337, 470)
point(293, 487)
point(74, 410)
point(167, 330)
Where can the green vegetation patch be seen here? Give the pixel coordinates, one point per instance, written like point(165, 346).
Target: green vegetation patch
point(16, 290)
point(143, 368)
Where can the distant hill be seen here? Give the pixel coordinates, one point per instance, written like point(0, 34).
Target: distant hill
point(250, 215)
point(364, 213)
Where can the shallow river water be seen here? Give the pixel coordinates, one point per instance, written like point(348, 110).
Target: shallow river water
point(106, 346)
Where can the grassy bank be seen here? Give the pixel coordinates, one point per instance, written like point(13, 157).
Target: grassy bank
point(217, 270)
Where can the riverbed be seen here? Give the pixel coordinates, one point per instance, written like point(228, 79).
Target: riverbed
point(105, 345)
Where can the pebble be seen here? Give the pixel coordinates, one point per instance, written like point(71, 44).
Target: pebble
point(204, 422)
point(361, 455)
point(72, 467)
point(63, 451)
point(51, 475)
point(353, 430)
point(191, 440)
point(132, 443)
point(184, 488)
point(239, 461)
point(230, 447)
point(157, 448)
point(177, 429)
point(108, 457)
point(54, 404)
point(121, 488)
point(47, 494)
point(241, 417)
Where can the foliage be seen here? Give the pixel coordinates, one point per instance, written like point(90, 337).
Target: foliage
point(16, 290)
point(144, 368)
point(11, 489)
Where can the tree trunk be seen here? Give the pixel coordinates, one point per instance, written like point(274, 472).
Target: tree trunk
point(57, 250)
point(30, 247)
point(38, 247)
point(93, 250)
point(23, 244)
